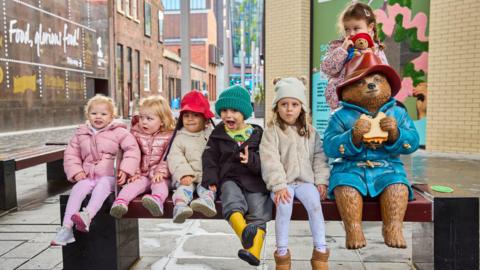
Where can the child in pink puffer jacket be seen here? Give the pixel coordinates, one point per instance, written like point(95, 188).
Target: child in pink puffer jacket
point(89, 163)
point(153, 129)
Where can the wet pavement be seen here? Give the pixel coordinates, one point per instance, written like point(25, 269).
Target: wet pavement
point(207, 244)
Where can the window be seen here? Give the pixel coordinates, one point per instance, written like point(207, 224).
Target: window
point(137, 64)
point(175, 4)
point(171, 4)
point(119, 6)
point(160, 78)
point(160, 25)
point(119, 63)
point(134, 9)
point(197, 4)
point(146, 76)
point(129, 65)
point(148, 19)
point(127, 7)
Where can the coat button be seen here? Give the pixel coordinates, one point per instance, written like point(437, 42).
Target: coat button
point(407, 146)
point(341, 149)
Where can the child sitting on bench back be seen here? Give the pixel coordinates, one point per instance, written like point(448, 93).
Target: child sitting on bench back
point(153, 129)
point(231, 163)
point(89, 163)
point(294, 166)
point(185, 158)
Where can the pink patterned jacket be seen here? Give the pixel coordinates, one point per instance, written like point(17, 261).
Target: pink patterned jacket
point(153, 148)
point(333, 65)
point(94, 153)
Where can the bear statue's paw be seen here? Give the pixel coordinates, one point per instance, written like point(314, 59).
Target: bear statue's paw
point(355, 238)
point(393, 235)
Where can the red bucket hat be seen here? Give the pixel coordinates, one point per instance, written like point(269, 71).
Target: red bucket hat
point(194, 101)
point(365, 64)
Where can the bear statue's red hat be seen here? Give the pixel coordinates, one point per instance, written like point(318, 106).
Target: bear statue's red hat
point(364, 65)
point(365, 36)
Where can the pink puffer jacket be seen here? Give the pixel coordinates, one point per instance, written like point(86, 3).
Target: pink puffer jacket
point(153, 148)
point(95, 154)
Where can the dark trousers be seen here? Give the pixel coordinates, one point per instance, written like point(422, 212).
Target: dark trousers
point(255, 206)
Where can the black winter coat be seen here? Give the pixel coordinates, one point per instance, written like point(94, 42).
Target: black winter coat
point(221, 161)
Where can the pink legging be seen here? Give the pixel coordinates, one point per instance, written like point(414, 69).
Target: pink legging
point(142, 185)
point(100, 188)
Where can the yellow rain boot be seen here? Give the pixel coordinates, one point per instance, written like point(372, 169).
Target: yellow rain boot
point(252, 254)
point(245, 232)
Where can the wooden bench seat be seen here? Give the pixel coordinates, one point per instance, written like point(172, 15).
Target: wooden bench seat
point(419, 210)
point(11, 162)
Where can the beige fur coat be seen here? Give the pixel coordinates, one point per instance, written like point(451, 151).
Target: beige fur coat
point(287, 157)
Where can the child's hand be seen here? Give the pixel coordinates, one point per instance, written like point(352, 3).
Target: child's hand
point(159, 177)
point(282, 195)
point(213, 188)
point(121, 177)
point(322, 189)
point(79, 176)
point(347, 43)
point(244, 155)
point(186, 180)
point(134, 178)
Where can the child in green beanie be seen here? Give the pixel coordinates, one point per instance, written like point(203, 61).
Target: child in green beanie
point(231, 164)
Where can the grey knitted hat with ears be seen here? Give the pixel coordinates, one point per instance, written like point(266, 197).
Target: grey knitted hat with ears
point(290, 88)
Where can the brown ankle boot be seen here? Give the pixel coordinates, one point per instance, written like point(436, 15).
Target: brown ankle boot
point(282, 262)
point(319, 260)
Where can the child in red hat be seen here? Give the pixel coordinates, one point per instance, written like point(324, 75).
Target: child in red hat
point(185, 158)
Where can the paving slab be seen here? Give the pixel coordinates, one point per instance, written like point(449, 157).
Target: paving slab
point(388, 266)
point(6, 246)
point(11, 263)
point(26, 250)
point(48, 259)
point(207, 264)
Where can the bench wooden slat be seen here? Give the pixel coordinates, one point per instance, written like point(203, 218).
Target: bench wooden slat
point(419, 210)
point(40, 158)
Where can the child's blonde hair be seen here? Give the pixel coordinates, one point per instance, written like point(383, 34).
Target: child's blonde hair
point(162, 109)
point(101, 99)
point(359, 11)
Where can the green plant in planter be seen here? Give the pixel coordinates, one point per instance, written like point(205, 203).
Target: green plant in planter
point(259, 96)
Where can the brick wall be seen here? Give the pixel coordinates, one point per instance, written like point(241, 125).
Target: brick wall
point(287, 42)
point(453, 112)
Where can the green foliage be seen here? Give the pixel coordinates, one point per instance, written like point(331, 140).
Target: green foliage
point(417, 76)
point(403, 3)
point(409, 35)
point(259, 96)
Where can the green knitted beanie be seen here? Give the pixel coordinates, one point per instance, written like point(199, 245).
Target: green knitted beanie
point(236, 98)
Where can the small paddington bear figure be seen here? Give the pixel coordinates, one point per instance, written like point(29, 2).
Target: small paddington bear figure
point(364, 166)
point(362, 43)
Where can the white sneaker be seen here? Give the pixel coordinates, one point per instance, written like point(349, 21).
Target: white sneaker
point(181, 213)
point(118, 210)
point(204, 205)
point(82, 221)
point(63, 237)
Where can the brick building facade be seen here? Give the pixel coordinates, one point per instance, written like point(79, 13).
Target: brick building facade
point(138, 52)
point(203, 37)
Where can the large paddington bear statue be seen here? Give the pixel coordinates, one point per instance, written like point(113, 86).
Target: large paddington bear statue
point(366, 136)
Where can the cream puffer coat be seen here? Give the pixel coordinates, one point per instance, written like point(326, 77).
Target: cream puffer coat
point(287, 157)
point(185, 157)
